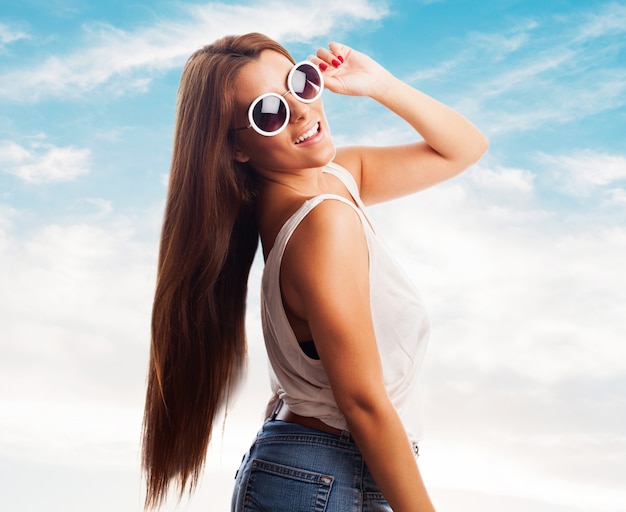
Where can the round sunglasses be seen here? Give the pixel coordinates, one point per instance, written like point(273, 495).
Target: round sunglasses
point(269, 113)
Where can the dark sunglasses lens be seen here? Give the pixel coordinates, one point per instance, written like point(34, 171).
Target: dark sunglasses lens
point(306, 81)
point(269, 113)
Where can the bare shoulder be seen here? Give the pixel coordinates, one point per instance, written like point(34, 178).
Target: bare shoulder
point(331, 225)
point(327, 250)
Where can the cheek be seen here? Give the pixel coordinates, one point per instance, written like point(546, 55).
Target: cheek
point(264, 151)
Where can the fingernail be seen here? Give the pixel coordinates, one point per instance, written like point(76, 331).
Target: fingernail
point(323, 66)
point(336, 63)
point(340, 58)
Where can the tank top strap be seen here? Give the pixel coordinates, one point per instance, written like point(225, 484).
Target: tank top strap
point(347, 179)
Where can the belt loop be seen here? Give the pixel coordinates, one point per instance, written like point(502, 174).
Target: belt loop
point(277, 407)
point(345, 436)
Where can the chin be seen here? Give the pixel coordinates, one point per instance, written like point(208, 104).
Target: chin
point(325, 155)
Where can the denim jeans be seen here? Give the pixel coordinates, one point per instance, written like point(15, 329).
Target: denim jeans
point(291, 468)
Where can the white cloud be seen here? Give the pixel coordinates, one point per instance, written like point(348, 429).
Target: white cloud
point(126, 60)
point(526, 344)
point(103, 207)
point(108, 431)
point(547, 91)
point(480, 46)
point(500, 46)
point(42, 162)
point(74, 340)
point(441, 69)
point(74, 343)
point(521, 75)
point(610, 19)
point(526, 351)
point(617, 195)
point(583, 172)
point(10, 35)
point(74, 298)
point(545, 70)
point(502, 179)
point(515, 264)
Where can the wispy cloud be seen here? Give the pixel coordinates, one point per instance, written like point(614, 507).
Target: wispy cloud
point(522, 75)
point(441, 69)
point(128, 59)
point(481, 46)
point(42, 162)
point(539, 71)
point(617, 195)
point(500, 45)
point(503, 179)
point(609, 19)
point(9, 35)
point(585, 172)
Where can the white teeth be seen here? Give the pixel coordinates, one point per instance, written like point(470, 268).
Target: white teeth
point(308, 134)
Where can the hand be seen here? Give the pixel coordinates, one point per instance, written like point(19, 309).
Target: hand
point(349, 72)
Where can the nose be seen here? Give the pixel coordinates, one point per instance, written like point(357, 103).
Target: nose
point(298, 109)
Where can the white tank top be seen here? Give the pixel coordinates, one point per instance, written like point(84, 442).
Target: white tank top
point(400, 324)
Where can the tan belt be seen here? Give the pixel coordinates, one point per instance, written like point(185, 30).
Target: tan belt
point(285, 414)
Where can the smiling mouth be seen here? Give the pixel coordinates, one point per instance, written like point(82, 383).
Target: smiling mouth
point(308, 134)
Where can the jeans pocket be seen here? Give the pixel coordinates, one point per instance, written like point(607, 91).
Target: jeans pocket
point(276, 488)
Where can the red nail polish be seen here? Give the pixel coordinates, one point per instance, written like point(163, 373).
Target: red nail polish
point(336, 63)
point(323, 66)
point(340, 58)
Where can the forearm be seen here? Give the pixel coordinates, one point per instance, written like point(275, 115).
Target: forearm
point(382, 439)
point(442, 128)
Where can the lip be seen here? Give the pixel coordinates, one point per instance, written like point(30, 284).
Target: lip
point(314, 138)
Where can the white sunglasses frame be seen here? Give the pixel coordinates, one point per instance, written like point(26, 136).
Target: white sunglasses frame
point(281, 97)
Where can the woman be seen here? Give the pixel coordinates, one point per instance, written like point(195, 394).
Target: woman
point(344, 330)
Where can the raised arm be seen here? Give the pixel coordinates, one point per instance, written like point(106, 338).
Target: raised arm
point(450, 143)
point(325, 282)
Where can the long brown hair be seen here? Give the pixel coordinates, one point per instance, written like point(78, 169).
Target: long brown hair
point(208, 241)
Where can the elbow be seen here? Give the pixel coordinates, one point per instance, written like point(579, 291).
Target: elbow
point(476, 149)
point(481, 147)
point(364, 408)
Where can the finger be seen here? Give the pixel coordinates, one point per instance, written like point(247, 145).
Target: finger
point(319, 63)
point(341, 51)
point(330, 58)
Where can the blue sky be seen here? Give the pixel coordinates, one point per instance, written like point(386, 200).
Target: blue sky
point(520, 259)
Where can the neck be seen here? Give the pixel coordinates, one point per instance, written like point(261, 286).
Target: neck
point(305, 182)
